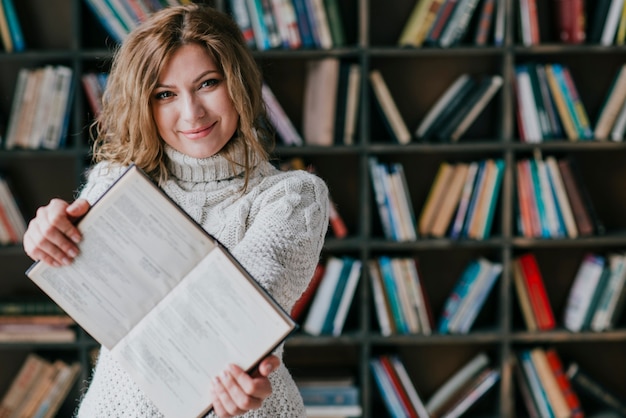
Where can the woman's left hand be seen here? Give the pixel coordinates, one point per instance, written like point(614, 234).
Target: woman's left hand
point(235, 392)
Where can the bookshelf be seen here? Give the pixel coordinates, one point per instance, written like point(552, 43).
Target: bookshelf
point(66, 32)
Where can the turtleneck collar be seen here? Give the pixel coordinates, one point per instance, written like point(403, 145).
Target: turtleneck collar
point(214, 168)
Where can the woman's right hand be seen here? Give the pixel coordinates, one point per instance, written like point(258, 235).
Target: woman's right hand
point(51, 236)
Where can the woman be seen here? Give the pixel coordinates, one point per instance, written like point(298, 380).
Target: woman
point(183, 102)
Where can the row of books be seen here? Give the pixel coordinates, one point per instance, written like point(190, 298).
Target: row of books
point(604, 23)
point(464, 388)
point(11, 35)
point(333, 290)
point(449, 118)
point(462, 200)
point(28, 321)
point(597, 295)
point(402, 305)
point(119, 17)
point(289, 24)
point(39, 114)
point(548, 104)
point(595, 301)
point(445, 23)
point(549, 389)
point(552, 200)
point(39, 388)
point(12, 222)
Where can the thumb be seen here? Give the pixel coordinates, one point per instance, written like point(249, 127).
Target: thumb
point(77, 208)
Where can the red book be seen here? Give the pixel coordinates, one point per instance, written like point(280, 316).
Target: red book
point(537, 292)
point(397, 386)
point(302, 303)
point(566, 386)
point(570, 20)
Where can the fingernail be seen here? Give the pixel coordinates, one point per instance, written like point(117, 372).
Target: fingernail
point(72, 253)
point(66, 261)
point(75, 238)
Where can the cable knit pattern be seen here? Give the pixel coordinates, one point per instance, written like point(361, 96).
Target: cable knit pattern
point(276, 230)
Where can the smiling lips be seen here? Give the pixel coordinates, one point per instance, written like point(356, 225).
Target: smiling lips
point(198, 133)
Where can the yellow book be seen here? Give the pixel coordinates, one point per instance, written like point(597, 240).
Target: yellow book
point(5, 34)
point(435, 197)
point(561, 106)
point(414, 24)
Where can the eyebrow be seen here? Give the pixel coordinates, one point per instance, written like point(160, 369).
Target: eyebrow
point(195, 80)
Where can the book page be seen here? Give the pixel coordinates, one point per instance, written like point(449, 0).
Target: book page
point(135, 249)
point(215, 317)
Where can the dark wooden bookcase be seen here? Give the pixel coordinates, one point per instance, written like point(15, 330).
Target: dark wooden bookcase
point(66, 32)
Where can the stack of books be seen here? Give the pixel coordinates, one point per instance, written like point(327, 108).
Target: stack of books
point(330, 396)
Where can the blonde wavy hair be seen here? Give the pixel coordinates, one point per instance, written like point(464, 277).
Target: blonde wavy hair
point(125, 131)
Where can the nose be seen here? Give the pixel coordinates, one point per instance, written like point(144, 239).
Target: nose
point(193, 108)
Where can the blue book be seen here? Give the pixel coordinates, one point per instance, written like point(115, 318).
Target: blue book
point(390, 398)
point(17, 36)
point(541, 211)
point(391, 290)
point(304, 25)
point(327, 328)
point(480, 296)
point(476, 192)
point(460, 290)
point(536, 388)
point(329, 395)
point(493, 202)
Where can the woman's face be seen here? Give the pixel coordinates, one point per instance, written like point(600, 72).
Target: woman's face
point(190, 104)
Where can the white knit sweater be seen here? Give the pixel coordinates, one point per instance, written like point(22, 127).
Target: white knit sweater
point(276, 230)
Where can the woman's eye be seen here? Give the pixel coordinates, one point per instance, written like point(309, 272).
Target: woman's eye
point(210, 83)
point(163, 95)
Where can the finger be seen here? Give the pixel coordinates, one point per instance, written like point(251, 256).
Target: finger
point(39, 246)
point(77, 209)
point(246, 390)
point(268, 365)
point(223, 404)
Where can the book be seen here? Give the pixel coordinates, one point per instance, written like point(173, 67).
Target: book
point(548, 380)
point(21, 384)
point(397, 385)
point(464, 200)
point(15, 27)
point(435, 197)
point(389, 110)
point(478, 387)
point(410, 34)
point(523, 297)
point(305, 299)
point(182, 273)
point(535, 387)
point(456, 382)
point(319, 110)
point(449, 201)
point(589, 385)
point(485, 22)
point(390, 397)
point(381, 302)
point(571, 20)
point(5, 34)
point(322, 298)
point(279, 119)
point(582, 290)
point(571, 397)
point(575, 192)
point(544, 315)
point(611, 298)
point(412, 393)
point(455, 298)
point(616, 97)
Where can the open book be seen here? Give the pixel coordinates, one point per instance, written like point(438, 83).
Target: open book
point(165, 297)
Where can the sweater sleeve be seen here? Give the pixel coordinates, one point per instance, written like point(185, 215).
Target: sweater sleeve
point(285, 234)
point(99, 178)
